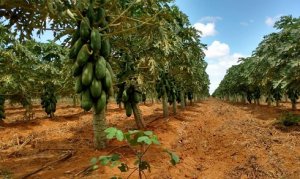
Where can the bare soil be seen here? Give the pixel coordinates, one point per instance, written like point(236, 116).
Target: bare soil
point(214, 139)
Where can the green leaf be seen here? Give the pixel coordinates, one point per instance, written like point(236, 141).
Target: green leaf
point(114, 163)
point(154, 140)
point(123, 167)
point(94, 160)
point(144, 139)
point(134, 131)
point(104, 160)
point(111, 132)
point(115, 157)
point(144, 165)
point(148, 133)
point(119, 135)
point(95, 167)
point(174, 158)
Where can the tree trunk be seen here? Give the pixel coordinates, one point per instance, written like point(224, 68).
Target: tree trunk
point(257, 101)
point(120, 105)
point(74, 101)
point(99, 125)
point(182, 104)
point(294, 106)
point(165, 103)
point(174, 105)
point(277, 103)
point(138, 116)
point(51, 115)
point(243, 99)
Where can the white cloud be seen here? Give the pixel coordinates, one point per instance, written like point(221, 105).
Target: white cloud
point(210, 19)
point(244, 24)
point(207, 29)
point(270, 21)
point(219, 61)
point(217, 49)
point(247, 23)
point(207, 25)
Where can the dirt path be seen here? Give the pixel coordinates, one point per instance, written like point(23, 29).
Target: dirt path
point(214, 139)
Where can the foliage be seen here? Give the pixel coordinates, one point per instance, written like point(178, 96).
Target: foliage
point(273, 68)
point(289, 119)
point(48, 99)
point(139, 142)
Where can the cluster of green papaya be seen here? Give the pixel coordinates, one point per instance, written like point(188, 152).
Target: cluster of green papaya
point(48, 99)
point(131, 95)
point(165, 81)
point(2, 112)
point(162, 84)
point(90, 51)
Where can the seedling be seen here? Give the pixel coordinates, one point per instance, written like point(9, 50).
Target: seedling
point(140, 142)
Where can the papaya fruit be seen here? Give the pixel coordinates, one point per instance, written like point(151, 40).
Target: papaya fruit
point(101, 103)
point(128, 109)
point(86, 100)
point(75, 36)
point(100, 68)
point(75, 49)
point(125, 96)
point(83, 55)
point(76, 69)
point(91, 13)
point(107, 80)
point(85, 29)
point(99, 15)
point(95, 40)
point(103, 23)
point(105, 47)
point(87, 74)
point(110, 69)
point(96, 88)
point(78, 85)
point(136, 97)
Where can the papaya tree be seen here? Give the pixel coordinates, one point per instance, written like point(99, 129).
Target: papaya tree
point(48, 99)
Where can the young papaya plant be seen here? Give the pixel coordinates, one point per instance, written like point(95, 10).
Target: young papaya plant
point(140, 142)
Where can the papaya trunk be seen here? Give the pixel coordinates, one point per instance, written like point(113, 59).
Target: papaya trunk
point(277, 103)
point(174, 108)
point(74, 101)
point(138, 116)
point(243, 99)
point(294, 107)
point(174, 105)
point(120, 105)
point(99, 125)
point(182, 104)
point(165, 104)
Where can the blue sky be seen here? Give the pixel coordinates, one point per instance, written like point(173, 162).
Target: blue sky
point(233, 28)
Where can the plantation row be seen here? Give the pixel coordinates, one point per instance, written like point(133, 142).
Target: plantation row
point(129, 50)
point(272, 71)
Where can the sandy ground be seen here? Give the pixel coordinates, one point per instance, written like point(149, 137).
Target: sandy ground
point(214, 139)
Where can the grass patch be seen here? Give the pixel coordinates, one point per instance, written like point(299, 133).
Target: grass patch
point(289, 119)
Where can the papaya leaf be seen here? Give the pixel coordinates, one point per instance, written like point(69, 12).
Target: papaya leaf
point(111, 132)
point(123, 167)
point(119, 135)
point(144, 139)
